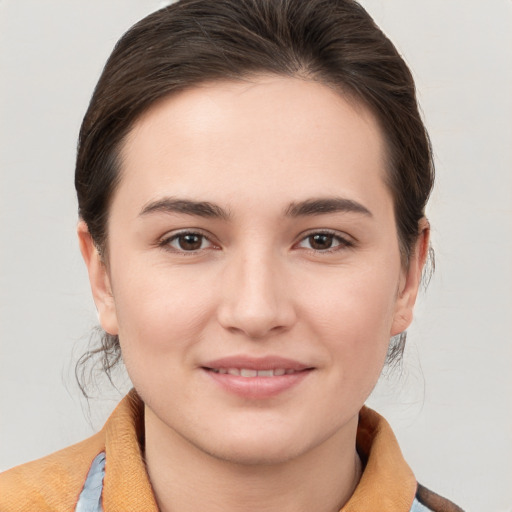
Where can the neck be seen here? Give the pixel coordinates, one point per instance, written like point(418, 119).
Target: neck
point(186, 479)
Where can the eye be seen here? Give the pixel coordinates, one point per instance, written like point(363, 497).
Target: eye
point(324, 241)
point(187, 242)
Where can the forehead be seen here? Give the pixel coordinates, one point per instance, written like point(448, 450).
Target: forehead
point(298, 137)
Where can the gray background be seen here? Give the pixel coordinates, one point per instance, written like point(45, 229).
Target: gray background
point(451, 404)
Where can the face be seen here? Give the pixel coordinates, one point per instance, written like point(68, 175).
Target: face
point(254, 275)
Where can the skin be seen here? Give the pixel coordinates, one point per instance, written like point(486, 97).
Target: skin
point(256, 285)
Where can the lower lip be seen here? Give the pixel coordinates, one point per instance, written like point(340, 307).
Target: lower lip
point(257, 387)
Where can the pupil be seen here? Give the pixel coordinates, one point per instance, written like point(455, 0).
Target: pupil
point(190, 242)
point(321, 241)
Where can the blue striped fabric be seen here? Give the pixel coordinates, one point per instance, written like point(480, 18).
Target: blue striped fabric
point(418, 507)
point(90, 497)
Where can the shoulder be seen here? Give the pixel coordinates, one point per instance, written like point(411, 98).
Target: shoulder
point(433, 502)
point(51, 483)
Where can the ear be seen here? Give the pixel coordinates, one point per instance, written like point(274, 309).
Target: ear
point(410, 281)
point(99, 280)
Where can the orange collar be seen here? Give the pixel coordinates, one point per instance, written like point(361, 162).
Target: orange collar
point(387, 483)
point(54, 483)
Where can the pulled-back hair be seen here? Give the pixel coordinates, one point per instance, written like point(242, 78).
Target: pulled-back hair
point(334, 42)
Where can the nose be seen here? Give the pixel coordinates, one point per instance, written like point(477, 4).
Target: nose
point(256, 298)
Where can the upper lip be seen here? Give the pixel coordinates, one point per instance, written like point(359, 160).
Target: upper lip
point(257, 363)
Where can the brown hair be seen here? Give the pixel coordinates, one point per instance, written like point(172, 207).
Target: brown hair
point(334, 42)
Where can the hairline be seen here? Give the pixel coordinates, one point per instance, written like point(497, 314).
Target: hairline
point(355, 99)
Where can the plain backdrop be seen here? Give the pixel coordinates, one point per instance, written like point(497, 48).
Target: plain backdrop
point(450, 405)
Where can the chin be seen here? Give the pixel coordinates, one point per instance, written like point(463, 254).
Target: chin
point(254, 453)
point(259, 443)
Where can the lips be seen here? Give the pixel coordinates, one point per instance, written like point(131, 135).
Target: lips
point(256, 363)
point(248, 372)
point(256, 378)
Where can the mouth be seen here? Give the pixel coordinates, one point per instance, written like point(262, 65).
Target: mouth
point(257, 378)
point(248, 372)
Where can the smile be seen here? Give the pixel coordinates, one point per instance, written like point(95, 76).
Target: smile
point(248, 372)
point(256, 378)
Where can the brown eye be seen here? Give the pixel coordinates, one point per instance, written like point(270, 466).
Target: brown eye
point(188, 242)
point(321, 241)
point(324, 241)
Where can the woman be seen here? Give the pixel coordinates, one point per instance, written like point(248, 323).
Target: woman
point(252, 178)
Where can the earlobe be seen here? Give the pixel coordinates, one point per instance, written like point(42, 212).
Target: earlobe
point(98, 279)
point(410, 283)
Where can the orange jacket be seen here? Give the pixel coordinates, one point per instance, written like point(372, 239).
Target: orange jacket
point(54, 483)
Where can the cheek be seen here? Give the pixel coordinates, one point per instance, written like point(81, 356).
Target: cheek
point(351, 314)
point(159, 310)
point(360, 302)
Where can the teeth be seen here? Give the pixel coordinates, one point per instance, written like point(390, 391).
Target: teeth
point(246, 372)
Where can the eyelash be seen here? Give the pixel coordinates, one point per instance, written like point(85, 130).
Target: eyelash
point(165, 243)
point(342, 243)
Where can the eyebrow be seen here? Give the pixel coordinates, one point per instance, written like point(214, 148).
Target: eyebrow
point(308, 207)
point(187, 206)
point(323, 205)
